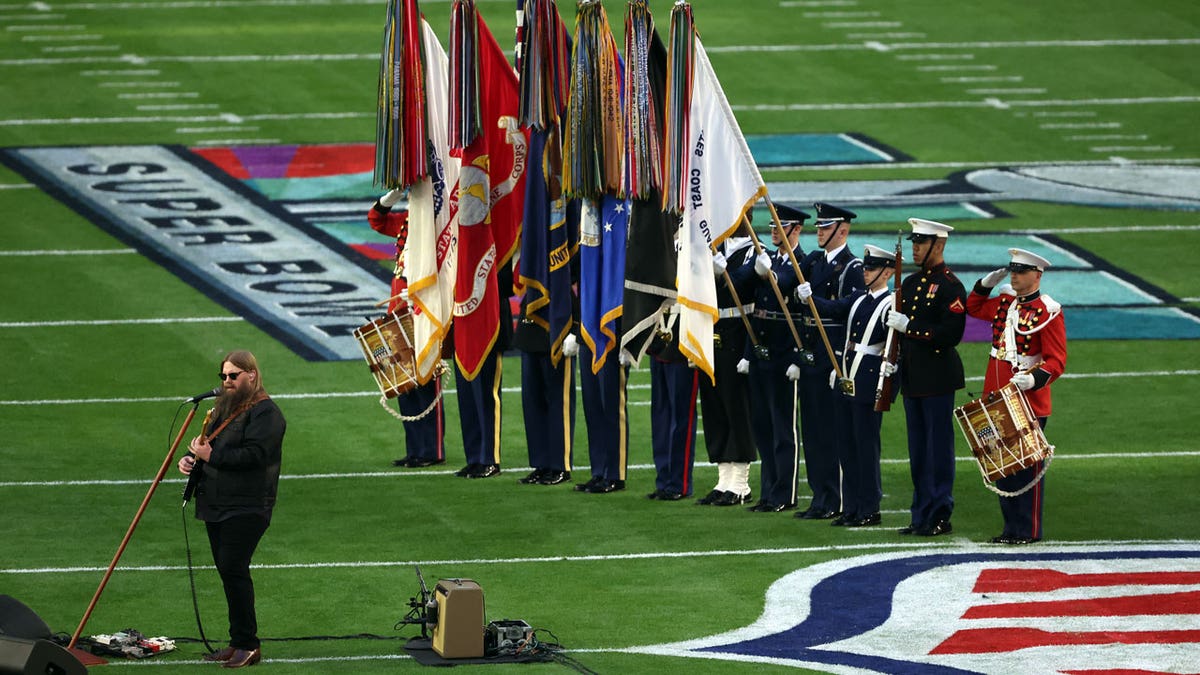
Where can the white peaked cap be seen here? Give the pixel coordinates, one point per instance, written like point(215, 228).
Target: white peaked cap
point(930, 228)
point(1023, 257)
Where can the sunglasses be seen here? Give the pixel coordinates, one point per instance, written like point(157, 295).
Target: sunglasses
point(229, 376)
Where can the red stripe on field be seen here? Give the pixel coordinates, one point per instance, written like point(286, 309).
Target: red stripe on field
point(1028, 581)
point(226, 160)
point(313, 161)
point(996, 640)
point(1125, 605)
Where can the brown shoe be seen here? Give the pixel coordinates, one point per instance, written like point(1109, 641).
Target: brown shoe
point(220, 655)
point(242, 657)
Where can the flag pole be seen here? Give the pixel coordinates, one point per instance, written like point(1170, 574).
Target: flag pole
point(812, 306)
point(758, 250)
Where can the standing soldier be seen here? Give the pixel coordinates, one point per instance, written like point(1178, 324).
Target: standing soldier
point(931, 325)
point(1029, 349)
point(862, 357)
point(832, 273)
point(725, 402)
point(424, 429)
point(770, 365)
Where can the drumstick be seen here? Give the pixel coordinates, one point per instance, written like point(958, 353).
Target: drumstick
point(381, 303)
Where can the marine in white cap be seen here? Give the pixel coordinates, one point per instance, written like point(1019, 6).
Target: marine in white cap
point(930, 325)
point(1029, 350)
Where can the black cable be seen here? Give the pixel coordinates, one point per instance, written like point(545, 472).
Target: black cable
point(192, 581)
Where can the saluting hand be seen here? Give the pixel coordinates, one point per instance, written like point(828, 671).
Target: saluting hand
point(994, 277)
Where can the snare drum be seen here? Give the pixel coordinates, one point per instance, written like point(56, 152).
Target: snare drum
point(1003, 433)
point(387, 345)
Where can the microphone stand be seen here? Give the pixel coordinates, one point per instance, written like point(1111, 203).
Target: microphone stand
point(129, 534)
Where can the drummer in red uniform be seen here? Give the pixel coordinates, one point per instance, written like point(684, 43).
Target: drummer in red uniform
point(424, 419)
point(1029, 349)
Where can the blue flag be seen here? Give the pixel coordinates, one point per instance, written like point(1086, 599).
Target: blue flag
point(602, 273)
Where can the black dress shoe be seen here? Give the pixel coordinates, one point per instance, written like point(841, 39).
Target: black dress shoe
point(553, 477)
point(842, 520)
point(733, 499)
point(940, 527)
point(604, 486)
point(669, 496)
point(422, 462)
point(242, 658)
point(820, 514)
point(533, 477)
point(586, 487)
point(760, 506)
point(711, 498)
point(776, 508)
point(467, 470)
point(653, 495)
point(866, 521)
point(1013, 541)
point(484, 471)
point(402, 462)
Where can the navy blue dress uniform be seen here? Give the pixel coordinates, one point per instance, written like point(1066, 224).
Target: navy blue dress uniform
point(1029, 349)
point(863, 353)
point(832, 275)
point(933, 316)
point(479, 399)
point(772, 393)
point(547, 403)
point(674, 389)
point(725, 401)
point(605, 410)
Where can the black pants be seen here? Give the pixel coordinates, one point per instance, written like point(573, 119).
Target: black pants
point(233, 542)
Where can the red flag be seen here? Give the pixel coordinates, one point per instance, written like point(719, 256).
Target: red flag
point(491, 188)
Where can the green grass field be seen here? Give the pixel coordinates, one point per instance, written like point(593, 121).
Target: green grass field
point(1094, 104)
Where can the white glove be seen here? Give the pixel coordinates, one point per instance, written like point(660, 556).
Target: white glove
point(389, 200)
point(994, 277)
point(1024, 381)
point(743, 367)
point(897, 321)
point(888, 368)
point(793, 372)
point(626, 358)
point(404, 295)
point(1006, 289)
point(570, 345)
point(719, 264)
point(804, 291)
point(832, 379)
point(762, 264)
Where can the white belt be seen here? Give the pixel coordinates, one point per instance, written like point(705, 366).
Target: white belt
point(1021, 362)
point(730, 312)
point(874, 350)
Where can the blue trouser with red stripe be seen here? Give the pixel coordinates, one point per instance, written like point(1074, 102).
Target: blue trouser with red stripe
point(424, 438)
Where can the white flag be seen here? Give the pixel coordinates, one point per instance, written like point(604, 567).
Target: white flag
point(430, 252)
point(723, 184)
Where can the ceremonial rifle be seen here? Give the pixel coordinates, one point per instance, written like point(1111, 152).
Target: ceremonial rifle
point(891, 346)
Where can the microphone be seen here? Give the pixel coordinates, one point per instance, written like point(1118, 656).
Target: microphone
point(215, 391)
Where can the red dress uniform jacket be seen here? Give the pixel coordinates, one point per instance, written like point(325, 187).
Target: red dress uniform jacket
point(1040, 337)
point(392, 224)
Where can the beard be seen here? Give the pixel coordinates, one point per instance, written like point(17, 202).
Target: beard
point(230, 400)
